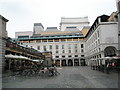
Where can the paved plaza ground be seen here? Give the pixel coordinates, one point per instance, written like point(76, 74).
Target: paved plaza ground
point(70, 77)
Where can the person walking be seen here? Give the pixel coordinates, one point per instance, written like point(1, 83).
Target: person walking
point(108, 68)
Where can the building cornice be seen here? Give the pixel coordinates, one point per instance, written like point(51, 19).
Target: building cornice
point(3, 18)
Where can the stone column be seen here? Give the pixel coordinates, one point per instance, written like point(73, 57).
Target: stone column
point(60, 62)
point(73, 62)
point(67, 62)
point(79, 62)
point(53, 61)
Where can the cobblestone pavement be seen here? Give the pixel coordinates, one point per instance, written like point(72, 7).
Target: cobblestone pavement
point(70, 77)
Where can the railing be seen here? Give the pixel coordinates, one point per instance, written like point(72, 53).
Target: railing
point(13, 45)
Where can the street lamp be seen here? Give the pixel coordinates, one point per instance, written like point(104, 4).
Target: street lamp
point(118, 13)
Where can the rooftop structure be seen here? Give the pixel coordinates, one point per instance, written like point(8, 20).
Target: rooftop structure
point(38, 28)
point(24, 34)
point(38, 24)
point(51, 29)
point(76, 43)
point(78, 22)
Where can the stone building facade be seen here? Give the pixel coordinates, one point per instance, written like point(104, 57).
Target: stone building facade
point(3, 37)
point(76, 43)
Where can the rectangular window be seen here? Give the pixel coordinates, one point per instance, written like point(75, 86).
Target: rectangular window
point(44, 48)
point(98, 41)
point(76, 55)
point(44, 40)
point(31, 41)
point(99, 50)
point(82, 55)
point(75, 45)
point(63, 40)
point(69, 56)
point(63, 56)
point(82, 46)
point(56, 40)
point(69, 39)
point(63, 47)
point(57, 56)
point(57, 47)
point(50, 47)
point(38, 40)
point(23, 36)
point(82, 50)
point(98, 33)
point(69, 51)
point(57, 52)
point(38, 47)
point(51, 40)
point(75, 39)
point(63, 51)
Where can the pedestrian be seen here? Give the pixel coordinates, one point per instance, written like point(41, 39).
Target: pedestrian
point(108, 68)
point(113, 64)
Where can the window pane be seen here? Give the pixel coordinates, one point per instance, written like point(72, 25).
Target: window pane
point(50, 46)
point(69, 51)
point(75, 45)
point(56, 46)
point(57, 52)
point(38, 47)
point(82, 46)
point(62, 46)
point(63, 56)
point(57, 56)
point(69, 56)
point(82, 55)
point(76, 55)
point(63, 51)
point(82, 50)
point(44, 48)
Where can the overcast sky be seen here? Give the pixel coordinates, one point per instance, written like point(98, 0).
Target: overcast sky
point(22, 14)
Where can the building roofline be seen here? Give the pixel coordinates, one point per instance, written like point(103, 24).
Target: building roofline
point(39, 24)
point(74, 17)
point(96, 20)
point(3, 18)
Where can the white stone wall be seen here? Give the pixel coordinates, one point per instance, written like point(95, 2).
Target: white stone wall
point(2, 42)
point(60, 54)
point(3, 34)
point(108, 36)
point(109, 33)
point(79, 22)
point(38, 29)
point(25, 33)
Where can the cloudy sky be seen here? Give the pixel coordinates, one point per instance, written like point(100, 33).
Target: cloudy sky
point(22, 14)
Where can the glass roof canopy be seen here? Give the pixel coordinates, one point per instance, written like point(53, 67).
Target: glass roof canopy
point(54, 37)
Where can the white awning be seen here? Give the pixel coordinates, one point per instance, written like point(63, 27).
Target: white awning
point(36, 60)
point(17, 57)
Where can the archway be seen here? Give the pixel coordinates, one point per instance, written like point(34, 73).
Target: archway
point(82, 61)
point(57, 62)
point(70, 62)
point(110, 51)
point(64, 62)
point(76, 62)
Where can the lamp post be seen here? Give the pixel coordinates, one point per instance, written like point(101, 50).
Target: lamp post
point(118, 13)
